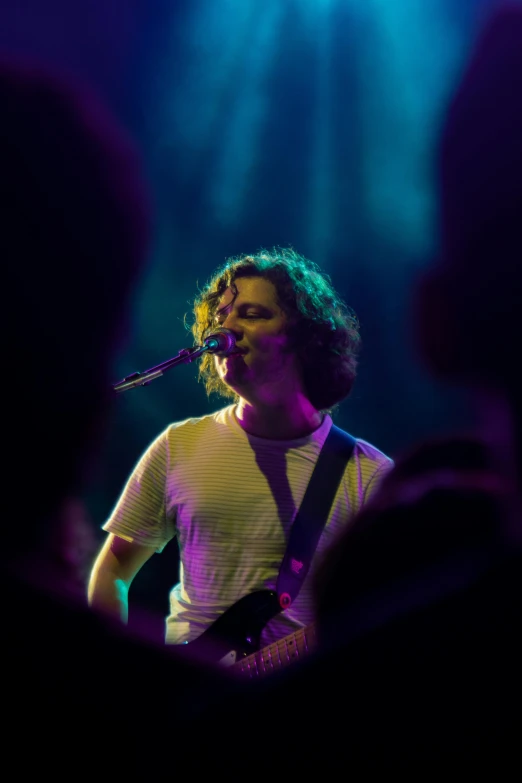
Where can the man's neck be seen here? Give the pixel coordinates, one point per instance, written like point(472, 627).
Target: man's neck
point(279, 422)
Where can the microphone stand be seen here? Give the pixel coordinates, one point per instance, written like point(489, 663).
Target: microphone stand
point(185, 356)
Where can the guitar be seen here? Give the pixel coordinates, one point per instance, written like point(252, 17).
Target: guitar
point(233, 639)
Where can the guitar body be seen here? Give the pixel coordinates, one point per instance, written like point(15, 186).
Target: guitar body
point(234, 638)
point(236, 633)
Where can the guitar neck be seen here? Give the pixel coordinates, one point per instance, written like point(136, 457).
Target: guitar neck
point(279, 654)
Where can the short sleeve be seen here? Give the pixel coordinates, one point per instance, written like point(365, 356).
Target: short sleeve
point(139, 514)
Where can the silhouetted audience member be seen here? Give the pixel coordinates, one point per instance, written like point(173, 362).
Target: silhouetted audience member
point(419, 602)
point(441, 543)
point(468, 301)
point(74, 240)
point(434, 566)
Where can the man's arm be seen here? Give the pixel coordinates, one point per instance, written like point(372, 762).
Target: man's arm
point(112, 574)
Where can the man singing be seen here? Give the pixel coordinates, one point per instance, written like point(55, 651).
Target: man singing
point(228, 485)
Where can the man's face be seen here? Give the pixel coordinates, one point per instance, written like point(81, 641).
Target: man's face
point(261, 364)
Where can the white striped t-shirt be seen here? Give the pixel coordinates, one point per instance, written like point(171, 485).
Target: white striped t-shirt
point(230, 499)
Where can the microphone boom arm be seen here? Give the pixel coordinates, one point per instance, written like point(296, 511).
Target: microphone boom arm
point(185, 356)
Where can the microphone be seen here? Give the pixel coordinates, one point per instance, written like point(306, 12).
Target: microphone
point(220, 341)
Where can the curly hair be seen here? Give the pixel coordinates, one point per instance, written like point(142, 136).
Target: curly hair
point(323, 330)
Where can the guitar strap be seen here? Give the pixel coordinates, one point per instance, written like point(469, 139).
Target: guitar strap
point(313, 513)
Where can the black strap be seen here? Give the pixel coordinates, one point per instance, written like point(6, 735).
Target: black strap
point(313, 513)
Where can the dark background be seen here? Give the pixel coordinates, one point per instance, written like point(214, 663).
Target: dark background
point(308, 123)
